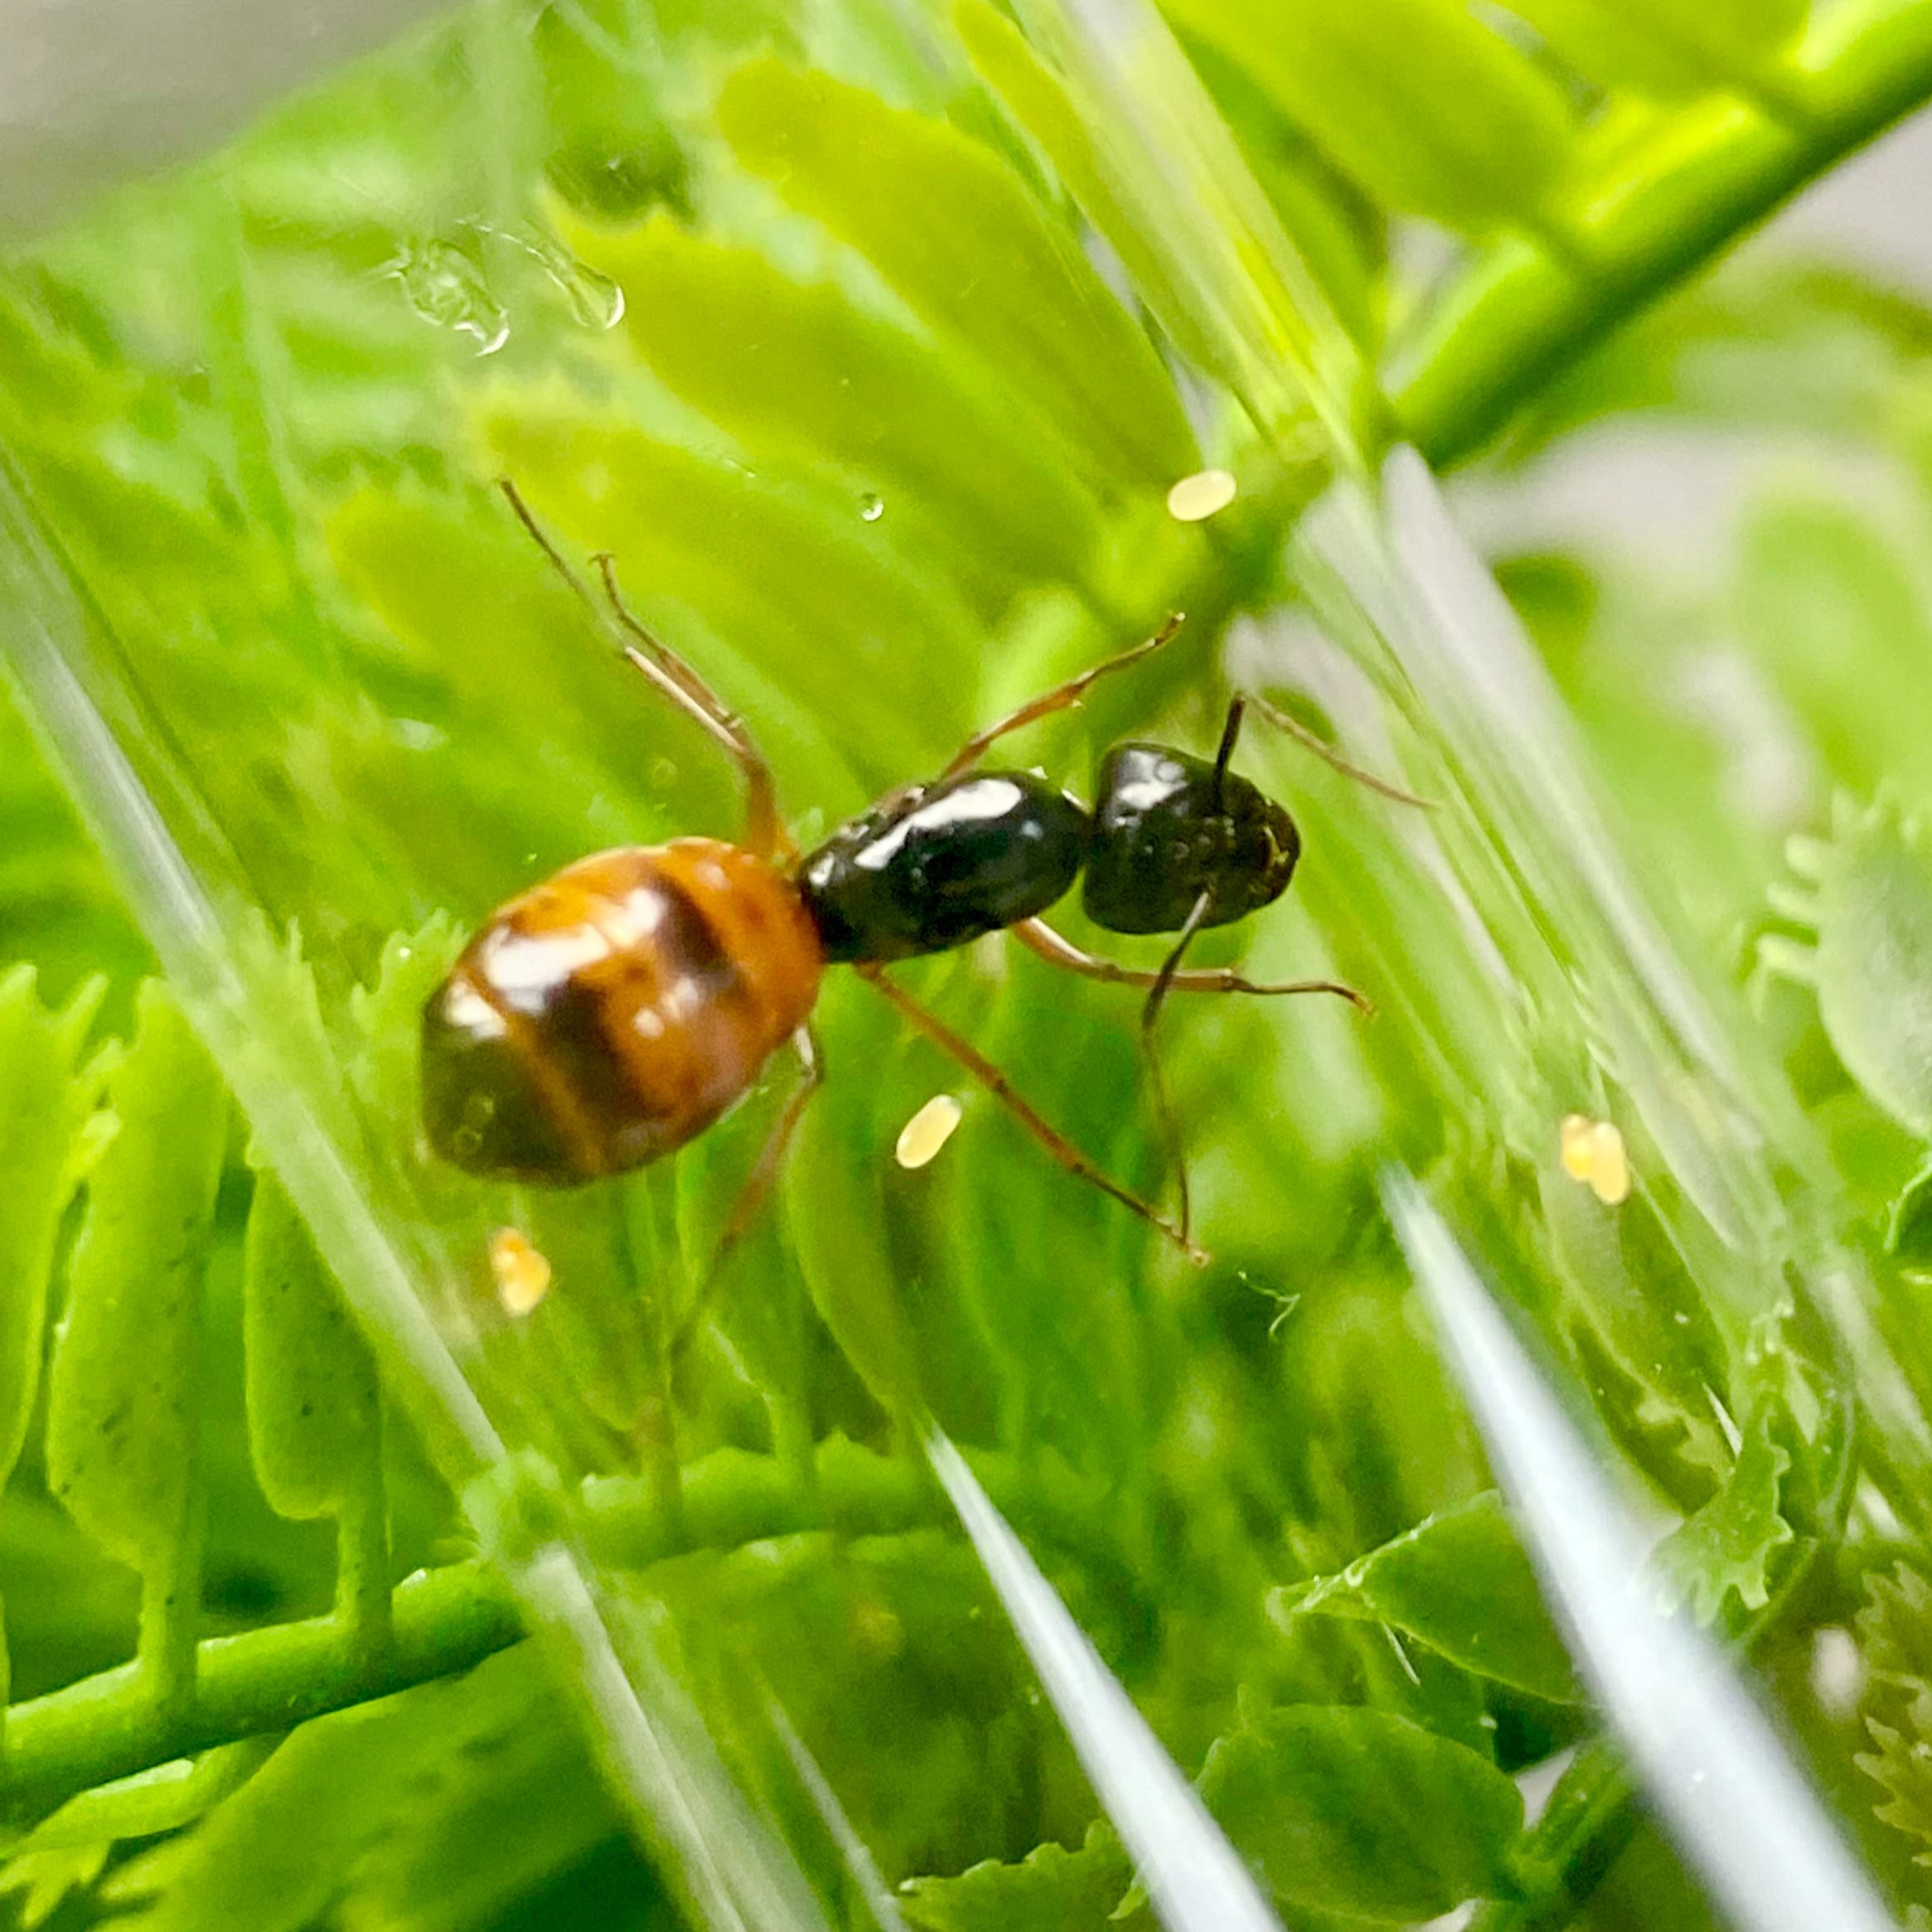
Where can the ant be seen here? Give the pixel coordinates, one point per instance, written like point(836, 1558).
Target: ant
point(611, 1014)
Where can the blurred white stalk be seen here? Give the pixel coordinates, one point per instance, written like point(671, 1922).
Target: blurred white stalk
point(94, 93)
point(1708, 1759)
point(1194, 1878)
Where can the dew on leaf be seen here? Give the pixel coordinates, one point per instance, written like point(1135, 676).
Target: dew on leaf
point(448, 289)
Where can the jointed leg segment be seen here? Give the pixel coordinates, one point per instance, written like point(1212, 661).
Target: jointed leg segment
point(1059, 698)
point(1036, 937)
point(674, 679)
point(1003, 1090)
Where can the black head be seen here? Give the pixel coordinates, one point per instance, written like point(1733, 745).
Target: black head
point(933, 867)
point(1166, 829)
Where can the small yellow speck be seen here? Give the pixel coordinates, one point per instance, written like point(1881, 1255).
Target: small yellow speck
point(1609, 1165)
point(927, 1131)
point(1593, 1151)
point(1574, 1134)
point(523, 1275)
point(1197, 497)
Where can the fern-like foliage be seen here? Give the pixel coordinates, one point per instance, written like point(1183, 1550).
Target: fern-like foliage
point(871, 344)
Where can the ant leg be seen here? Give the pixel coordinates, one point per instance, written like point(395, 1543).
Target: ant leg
point(1296, 729)
point(757, 1186)
point(675, 680)
point(1059, 698)
point(765, 832)
point(1003, 1090)
point(1036, 937)
point(1170, 1122)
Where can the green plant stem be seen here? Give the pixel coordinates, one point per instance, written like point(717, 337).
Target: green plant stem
point(363, 1601)
point(104, 1727)
point(733, 1497)
point(1518, 316)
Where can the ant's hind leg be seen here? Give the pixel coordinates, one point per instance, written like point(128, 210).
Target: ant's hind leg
point(1055, 1143)
point(758, 1183)
point(676, 680)
point(765, 832)
point(1059, 698)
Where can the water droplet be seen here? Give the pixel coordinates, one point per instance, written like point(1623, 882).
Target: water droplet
point(663, 773)
point(596, 302)
point(448, 290)
point(872, 506)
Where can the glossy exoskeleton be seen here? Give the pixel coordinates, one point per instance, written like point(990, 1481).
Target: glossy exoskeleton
point(936, 866)
point(1169, 830)
point(612, 1013)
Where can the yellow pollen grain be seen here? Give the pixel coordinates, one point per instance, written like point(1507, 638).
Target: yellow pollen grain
point(1197, 497)
point(927, 1131)
point(1609, 1165)
point(1575, 1139)
point(1593, 1151)
point(523, 1275)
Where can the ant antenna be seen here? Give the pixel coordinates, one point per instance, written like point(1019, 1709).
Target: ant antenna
point(1294, 729)
point(1229, 733)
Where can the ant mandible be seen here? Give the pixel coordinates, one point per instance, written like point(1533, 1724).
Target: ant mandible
point(613, 1012)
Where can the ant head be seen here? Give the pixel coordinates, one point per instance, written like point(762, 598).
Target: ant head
point(1168, 828)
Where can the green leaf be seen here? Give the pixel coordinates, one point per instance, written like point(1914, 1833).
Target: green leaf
point(1051, 1890)
point(798, 608)
point(1837, 619)
point(1662, 47)
point(1461, 126)
point(1874, 963)
point(1038, 98)
point(799, 370)
point(1459, 1583)
point(278, 1854)
point(46, 1099)
point(953, 231)
point(1355, 1811)
point(313, 1407)
point(1909, 1228)
point(1763, 344)
point(1730, 1544)
point(168, 1799)
point(1894, 1632)
point(486, 1823)
point(856, 1639)
point(1143, 147)
point(1341, 231)
point(121, 1391)
point(47, 1877)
